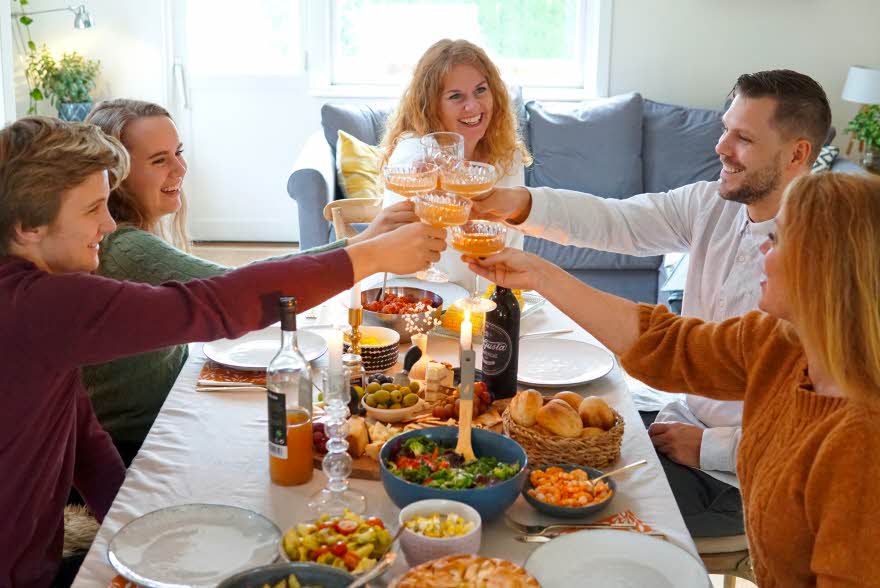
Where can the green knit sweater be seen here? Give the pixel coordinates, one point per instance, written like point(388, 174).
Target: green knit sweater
point(128, 393)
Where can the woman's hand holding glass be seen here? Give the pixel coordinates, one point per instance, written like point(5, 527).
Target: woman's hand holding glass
point(511, 268)
point(405, 250)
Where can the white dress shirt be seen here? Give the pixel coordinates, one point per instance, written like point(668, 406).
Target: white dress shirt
point(723, 279)
point(409, 150)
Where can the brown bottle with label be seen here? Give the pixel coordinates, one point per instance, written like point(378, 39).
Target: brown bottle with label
point(501, 345)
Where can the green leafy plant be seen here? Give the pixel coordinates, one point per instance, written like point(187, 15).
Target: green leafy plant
point(866, 126)
point(69, 79)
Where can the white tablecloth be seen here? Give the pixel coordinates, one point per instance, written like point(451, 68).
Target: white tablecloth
point(211, 448)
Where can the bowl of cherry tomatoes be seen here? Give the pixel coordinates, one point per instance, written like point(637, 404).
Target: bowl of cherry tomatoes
point(402, 309)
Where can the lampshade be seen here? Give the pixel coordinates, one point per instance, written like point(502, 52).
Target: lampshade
point(862, 85)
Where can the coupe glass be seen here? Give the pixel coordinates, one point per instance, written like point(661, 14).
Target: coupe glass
point(478, 239)
point(443, 149)
point(410, 179)
point(468, 178)
point(441, 209)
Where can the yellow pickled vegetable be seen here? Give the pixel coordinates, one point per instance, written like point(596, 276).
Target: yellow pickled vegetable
point(453, 316)
point(490, 289)
point(437, 525)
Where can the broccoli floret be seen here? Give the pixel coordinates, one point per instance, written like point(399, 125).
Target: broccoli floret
point(419, 446)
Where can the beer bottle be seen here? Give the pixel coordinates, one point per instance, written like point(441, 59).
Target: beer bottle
point(501, 345)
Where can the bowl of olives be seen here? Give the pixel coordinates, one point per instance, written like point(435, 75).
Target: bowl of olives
point(390, 403)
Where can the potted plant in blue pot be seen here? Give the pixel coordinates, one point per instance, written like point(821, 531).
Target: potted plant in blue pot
point(67, 83)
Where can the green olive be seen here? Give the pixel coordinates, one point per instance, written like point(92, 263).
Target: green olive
point(389, 387)
point(414, 386)
point(396, 396)
point(382, 397)
point(395, 406)
point(373, 387)
point(410, 399)
point(370, 400)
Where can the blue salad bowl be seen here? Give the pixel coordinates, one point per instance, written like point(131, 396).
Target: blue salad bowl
point(490, 501)
point(307, 573)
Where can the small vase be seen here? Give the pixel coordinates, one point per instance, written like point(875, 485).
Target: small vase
point(74, 111)
point(419, 368)
point(871, 160)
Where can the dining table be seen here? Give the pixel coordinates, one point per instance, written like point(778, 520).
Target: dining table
point(211, 447)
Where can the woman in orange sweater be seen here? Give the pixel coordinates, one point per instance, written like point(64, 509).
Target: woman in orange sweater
point(808, 371)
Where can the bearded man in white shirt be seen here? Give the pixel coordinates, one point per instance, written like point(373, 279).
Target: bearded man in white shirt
point(773, 131)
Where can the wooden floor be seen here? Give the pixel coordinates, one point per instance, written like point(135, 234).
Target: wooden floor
point(235, 254)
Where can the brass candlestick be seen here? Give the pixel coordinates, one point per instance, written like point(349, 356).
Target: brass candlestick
point(355, 319)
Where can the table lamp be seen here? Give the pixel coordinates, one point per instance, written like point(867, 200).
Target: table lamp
point(863, 87)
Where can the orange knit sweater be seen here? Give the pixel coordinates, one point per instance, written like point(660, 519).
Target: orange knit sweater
point(809, 465)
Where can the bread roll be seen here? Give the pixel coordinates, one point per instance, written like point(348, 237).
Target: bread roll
point(596, 413)
point(591, 432)
point(525, 406)
point(558, 417)
point(572, 398)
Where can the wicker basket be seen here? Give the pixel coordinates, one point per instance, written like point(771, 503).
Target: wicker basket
point(597, 451)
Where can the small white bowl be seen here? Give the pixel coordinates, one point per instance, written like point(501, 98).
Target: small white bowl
point(419, 548)
point(378, 357)
point(392, 415)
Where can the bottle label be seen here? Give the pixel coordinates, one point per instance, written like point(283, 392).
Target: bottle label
point(496, 350)
point(277, 424)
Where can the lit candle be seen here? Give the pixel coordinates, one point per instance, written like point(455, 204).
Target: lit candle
point(355, 300)
point(466, 329)
point(334, 358)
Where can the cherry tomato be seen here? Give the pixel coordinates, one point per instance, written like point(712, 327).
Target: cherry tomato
point(346, 527)
point(375, 522)
point(351, 560)
point(327, 525)
point(339, 549)
point(316, 553)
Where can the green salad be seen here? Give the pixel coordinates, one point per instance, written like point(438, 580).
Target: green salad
point(421, 461)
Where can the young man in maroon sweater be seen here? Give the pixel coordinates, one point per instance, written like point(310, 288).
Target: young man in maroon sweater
point(55, 178)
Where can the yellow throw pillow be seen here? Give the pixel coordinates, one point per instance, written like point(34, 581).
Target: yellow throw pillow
point(357, 166)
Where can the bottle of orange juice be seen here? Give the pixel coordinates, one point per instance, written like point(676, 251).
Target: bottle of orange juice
point(290, 406)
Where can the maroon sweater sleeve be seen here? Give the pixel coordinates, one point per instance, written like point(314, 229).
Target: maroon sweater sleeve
point(98, 470)
point(81, 319)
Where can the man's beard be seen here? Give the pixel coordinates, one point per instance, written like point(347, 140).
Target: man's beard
point(756, 188)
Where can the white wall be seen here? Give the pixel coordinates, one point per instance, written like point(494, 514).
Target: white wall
point(128, 38)
point(691, 51)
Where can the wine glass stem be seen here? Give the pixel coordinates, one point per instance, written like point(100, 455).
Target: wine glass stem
point(476, 292)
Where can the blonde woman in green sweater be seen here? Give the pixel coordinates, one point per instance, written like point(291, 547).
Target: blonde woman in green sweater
point(151, 245)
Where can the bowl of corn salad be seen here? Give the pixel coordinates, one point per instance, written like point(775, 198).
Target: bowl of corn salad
point(436, 528)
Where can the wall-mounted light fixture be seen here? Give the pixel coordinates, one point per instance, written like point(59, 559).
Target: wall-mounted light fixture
point(82, 19)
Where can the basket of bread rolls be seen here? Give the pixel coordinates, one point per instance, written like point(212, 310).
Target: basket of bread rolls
point(565, 428)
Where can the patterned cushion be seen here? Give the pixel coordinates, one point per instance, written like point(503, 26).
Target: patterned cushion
point(357, 167)
point(826, 158)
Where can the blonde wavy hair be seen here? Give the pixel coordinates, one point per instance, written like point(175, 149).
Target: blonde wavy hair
point(112, 116)
point(830, 250)
point(417, 113)
point(41, 158)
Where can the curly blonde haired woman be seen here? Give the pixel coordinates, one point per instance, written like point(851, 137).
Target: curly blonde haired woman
point(808, 372)
point(456, 88)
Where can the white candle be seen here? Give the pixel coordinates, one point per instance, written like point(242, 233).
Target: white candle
point(466, 329)
point(355, 292)
point(334, 358)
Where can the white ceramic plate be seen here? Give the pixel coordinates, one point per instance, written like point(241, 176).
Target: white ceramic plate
point(615, 559)
point(561, 362)
point(193, 545)
point(255, 350)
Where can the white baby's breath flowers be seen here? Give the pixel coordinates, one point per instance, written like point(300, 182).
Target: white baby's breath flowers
point(420, 321)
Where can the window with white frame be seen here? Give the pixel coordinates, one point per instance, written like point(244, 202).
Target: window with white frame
point(552, 48)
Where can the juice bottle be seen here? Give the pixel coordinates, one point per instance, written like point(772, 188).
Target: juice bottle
point(289, 391)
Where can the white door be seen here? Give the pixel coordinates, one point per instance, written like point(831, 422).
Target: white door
point(238, 67)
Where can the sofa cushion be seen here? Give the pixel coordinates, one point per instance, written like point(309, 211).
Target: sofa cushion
point(678, 145)
point(364, 122)
point(594, 147)
point(357, 168)
point(573, 258)
point(826, 158)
